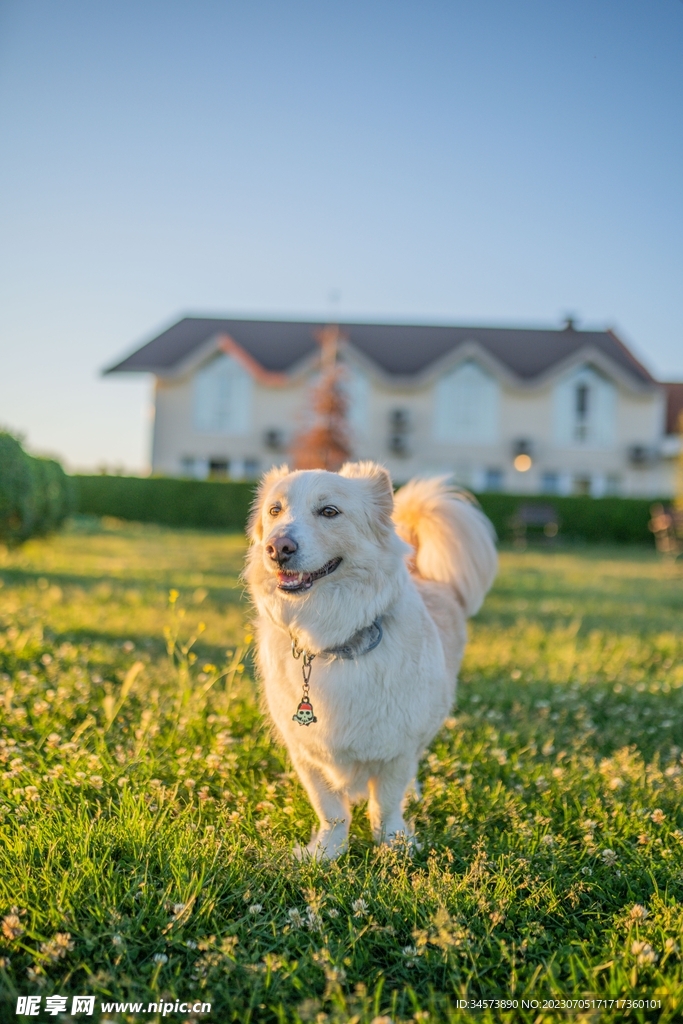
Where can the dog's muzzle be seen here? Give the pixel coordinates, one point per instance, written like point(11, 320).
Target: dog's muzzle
point(298, 582)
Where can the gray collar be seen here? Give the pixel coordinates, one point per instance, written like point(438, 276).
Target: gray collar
point(362, 642)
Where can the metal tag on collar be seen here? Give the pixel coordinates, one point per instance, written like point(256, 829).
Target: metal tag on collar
point(304, 713)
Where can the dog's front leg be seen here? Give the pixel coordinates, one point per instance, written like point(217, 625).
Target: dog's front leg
point(333, 810)
point(387, 798)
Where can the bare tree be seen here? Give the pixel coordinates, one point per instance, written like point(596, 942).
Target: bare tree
point(326, 443)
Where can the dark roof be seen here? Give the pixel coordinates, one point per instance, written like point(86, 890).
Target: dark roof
point(674, 406)
point(400, 349)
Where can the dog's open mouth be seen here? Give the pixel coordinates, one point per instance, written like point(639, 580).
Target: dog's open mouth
point(297, 582)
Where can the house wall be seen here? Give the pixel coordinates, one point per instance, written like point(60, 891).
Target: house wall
point(525, 414)
point(177, 440)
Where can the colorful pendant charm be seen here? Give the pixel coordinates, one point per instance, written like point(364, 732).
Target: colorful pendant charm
point(304, 713)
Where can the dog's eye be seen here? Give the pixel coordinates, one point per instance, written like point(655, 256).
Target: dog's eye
point(275, 510)
point(329, 511)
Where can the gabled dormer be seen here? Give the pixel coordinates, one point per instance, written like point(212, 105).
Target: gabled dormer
point(584, 409)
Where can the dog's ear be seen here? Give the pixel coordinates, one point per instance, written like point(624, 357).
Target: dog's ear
point(379, 484)
point(254, 524)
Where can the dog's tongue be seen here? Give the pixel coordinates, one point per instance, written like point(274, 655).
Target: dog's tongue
point(293, 580)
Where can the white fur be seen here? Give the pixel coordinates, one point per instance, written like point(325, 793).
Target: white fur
point(377, 713)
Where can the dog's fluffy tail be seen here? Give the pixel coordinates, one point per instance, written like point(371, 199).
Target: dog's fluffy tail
point(454, 542)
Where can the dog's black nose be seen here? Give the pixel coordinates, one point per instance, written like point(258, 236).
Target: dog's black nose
point(281, 548)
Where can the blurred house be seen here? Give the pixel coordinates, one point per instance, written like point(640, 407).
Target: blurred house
point(529, 411)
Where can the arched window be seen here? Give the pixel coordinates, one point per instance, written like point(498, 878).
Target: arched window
point(585, 409)
point(222, 397)
point(466, 404)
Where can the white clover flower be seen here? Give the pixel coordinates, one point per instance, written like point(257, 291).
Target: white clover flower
point(295, 917)
point(638, 912)
point(97, 781)
point(160, 958)
point(359, 908)
point(333, 912)
point(117, 940)
point(58, 946)
point(314, 920)
point(255, 908)
point(12, 927)
point(609, 858)
point(178, 908)
point(644, 952)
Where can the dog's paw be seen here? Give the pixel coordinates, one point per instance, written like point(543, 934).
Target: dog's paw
point(324, 846)
point(318, 853)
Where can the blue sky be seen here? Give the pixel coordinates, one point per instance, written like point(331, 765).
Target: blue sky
point(460, 161)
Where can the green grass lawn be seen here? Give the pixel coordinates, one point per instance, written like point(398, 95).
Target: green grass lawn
point(147, 817)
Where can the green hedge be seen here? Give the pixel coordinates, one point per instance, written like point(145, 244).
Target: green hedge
point(225, 505)
point(222, 505)
point(36, 495)
point(597, 520)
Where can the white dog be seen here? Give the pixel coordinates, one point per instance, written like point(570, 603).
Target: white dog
point(362, 600)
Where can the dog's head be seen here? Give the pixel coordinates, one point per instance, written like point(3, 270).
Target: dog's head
point(316, 534)
point(310, 524)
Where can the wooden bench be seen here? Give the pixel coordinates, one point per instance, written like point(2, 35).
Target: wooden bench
point(538, 515)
